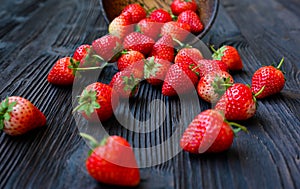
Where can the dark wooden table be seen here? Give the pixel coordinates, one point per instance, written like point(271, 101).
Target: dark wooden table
point(34, 34)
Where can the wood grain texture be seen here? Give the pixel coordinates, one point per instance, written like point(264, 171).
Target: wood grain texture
point(34, 34)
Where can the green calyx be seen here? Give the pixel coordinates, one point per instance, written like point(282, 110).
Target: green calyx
point(130, 83)
point(151, 67)
point(87, 102)
point(5, 109)
point(220, 84)
point(218, 54)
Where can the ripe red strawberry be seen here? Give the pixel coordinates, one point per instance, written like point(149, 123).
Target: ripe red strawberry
point(125, 84)
point(96, 102)
point(155, 70)
point(160, 16)
point(210, 66)
point(191, 18)
point(128, 58)
point(149, 28)
point(177, 30)
point(238, 102)
point(230, 56)
point(107, 46)
point(180, 79)
point(269, 77)
point(121, 26)
point(112, 161)
point(19, 115)
point(136, 11)
point(81, 52)
point(189, 56)
point(163, 48)
point(213, 85)
point(138, 42)
point(179, 6)
point(209, 132)
point(62, 72)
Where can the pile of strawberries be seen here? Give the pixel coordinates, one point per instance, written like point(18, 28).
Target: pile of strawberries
point(152, 46)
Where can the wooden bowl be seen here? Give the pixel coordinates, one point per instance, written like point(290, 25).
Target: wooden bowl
point(207, 9)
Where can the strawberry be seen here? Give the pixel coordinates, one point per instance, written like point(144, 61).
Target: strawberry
point(269, 77)
point(81, 52)
point(62, 72)
point(209, 132)
point(112, 161)
point(121, 26)
point(96, 102)
point(213, 85)
point(19, 115)
point(210, 66)
point(107, 47)
point(191, 18)
point(149, 28)
point(180, 79)
point(160, 16)
point(238, 102)
point(155, 70)
point(230, 56)
point(136, 11)
point(179, 6)
point(125, 84)
point(163, 48)
point(177, 30)
point(128, 58)
point(138, 42)
point(189, 56)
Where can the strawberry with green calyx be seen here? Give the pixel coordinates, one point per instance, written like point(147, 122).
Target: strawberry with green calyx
point(179, 6)
point(136, 11)
point(96, 103)
point(270, 77)
point(163, 48)
point(177, 30)
point(160, 16)
point(18, 116)
point(155, 70)
point(209, 132)
point(230, 56)
point(112, 161)
point(128, 58)
point(213, 85)
point(81, 52)
point(138, 42)
point(192, 19)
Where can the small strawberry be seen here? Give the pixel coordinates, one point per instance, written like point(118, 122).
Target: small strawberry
point(125, 84)
point(136, 11)
point(230, 56)
point(163, 48)
point(160, 16)
point(180, 79)
point(155, 70)
point(128, 58)
point(107, 47)
point(191, 18)
point(121, 26)
point(62, 72)
point(96, 102)
point(269, 77)
point(238, 102)
point(179, 6)
point(209, 132)
point(210, 66)
point(19, 115)
point(112, 161)
point(81, 52)
point(177, 30)
point(213, 85)
point(149, 28)
point(189, 56)
point(138, 42)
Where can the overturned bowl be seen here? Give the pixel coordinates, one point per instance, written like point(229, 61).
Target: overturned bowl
point(207, 9)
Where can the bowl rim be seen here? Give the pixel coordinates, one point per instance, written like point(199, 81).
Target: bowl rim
point(200, 36)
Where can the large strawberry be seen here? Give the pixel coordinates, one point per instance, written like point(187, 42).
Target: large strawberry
point(210, 66)
point(136, 11)
point(107, 47)
point(269, 77)
point(160, 16)
point(129, 58)
point(180, 79)
point(213, 85)
point(121, 25)
point(81, 52)
point(155, 70)
point(112, 161)
point(149, 28)
point(238, 102)
point(230, 56)
point(163, 48)
point(209, 132)
point(19, 115)
point(191, 18)
point(62, 73)
point(138, 42)
point(179, 6)
point(177, 30)
point(97, 102)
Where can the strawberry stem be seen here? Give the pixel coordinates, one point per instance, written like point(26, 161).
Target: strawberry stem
point(240, 127)
point(93, 142)
point(179, 42)
point(260, 91)
point(213, 49)
point(90, 68)
point(280, 63)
